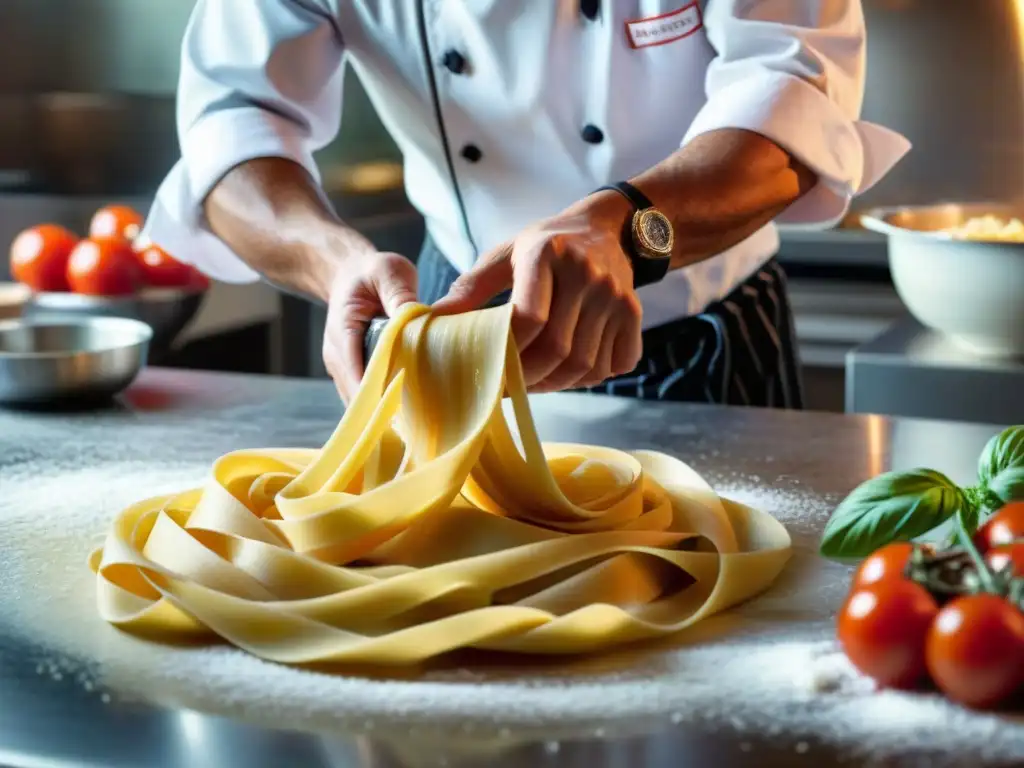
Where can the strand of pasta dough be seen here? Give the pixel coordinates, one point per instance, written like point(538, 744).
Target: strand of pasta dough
point(421, 527)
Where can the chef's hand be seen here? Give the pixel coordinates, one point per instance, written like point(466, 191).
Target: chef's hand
point(575, 317)
point(363, 288)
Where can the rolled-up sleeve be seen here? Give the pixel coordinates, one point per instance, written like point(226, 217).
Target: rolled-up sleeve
point(794, 73)
point(259, 78)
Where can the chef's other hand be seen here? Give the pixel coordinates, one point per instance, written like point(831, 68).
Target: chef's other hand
point(575, 315)
point(364, 288)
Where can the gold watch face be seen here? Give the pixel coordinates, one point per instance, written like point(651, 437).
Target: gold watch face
point(652, 233)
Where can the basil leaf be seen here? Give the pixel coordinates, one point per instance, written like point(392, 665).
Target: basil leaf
point(1008, 485)
point(896, 506)
point(1004, 451)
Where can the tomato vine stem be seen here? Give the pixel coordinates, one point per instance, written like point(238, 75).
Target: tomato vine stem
point(985, 575)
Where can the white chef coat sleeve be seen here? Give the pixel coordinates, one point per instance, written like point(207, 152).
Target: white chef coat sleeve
point(794, 73)
point(259, 78)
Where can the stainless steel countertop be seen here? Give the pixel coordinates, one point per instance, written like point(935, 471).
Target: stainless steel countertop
point(172, 415)
point(908, 344)
point(910, 370)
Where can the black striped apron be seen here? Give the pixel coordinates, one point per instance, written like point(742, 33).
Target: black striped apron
point(740, 350)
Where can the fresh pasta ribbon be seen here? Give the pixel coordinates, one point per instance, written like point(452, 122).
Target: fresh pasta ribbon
point(422, 526)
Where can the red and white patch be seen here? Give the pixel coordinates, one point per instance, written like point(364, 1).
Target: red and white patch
point(666, 27)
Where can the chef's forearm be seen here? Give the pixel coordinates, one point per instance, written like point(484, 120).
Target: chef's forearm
point(721, 188)
point(275, 217)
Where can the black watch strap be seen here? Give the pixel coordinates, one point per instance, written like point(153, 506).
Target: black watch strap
point(631, 193)
point(645, 270)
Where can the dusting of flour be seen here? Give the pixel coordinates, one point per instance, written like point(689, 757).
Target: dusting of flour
point(771, 666)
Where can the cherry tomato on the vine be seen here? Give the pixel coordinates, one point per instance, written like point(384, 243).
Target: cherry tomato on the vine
point(103, 267)
point(119, 221)
point(882, 628)
point(1004, 527)
point(888, 562)
point(975, 650)
point(39, 257)
point(1007, 555)
point(198, 281)
point(160, 269)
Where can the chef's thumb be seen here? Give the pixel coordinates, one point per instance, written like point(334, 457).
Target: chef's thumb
point(486, 279)
point(396, 284)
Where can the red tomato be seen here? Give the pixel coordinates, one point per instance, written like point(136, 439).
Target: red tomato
point(103, 267)
point(162, 270)
point(889, 562)
point(39, 257)
point(1003, 527)
point(199, 281)
point(882, 628)
point(1002, 556)
point(116, 221)
point(975, 650)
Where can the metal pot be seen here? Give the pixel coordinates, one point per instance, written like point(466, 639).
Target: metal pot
point(87, 143)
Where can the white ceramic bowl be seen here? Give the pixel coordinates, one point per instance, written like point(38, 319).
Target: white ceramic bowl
point(970, 290)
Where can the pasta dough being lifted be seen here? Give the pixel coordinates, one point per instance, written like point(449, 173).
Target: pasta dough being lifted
point(384, 549)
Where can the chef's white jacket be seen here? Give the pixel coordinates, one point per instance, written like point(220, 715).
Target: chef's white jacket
point(506, 111)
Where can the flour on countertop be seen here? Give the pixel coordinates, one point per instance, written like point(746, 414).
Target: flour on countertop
point(770, 666)
point(800, 510)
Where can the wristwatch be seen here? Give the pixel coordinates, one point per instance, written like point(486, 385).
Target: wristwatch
point(647, 237)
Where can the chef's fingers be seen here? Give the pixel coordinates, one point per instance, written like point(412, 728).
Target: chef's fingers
point(388, 283)
point(602, 369)
point(629, 346)
point(394, 282)
point(584, 346)
point(553, 345)
point(491, 275)
point(343, 357)
point(532, 289)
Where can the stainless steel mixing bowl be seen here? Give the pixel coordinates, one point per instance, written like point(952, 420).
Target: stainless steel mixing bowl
point(166, 310)
point(44, 362)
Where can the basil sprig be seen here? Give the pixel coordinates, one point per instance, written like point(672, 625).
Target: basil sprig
point(900, 506)
point(896, 506)
point(1001, 466)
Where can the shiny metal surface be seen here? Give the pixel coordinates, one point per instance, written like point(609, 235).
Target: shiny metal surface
point(372, 335)
point(949, 76)
point(165, 310)
point(170, 416)
point(910, 370)
point(85, 142)
point(46, 362)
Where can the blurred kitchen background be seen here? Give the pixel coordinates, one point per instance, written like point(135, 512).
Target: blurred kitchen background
point(87, 118)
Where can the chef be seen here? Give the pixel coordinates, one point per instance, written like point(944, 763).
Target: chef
point(614, 168)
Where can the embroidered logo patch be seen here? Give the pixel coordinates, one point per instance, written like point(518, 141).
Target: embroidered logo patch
point(665, 28)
